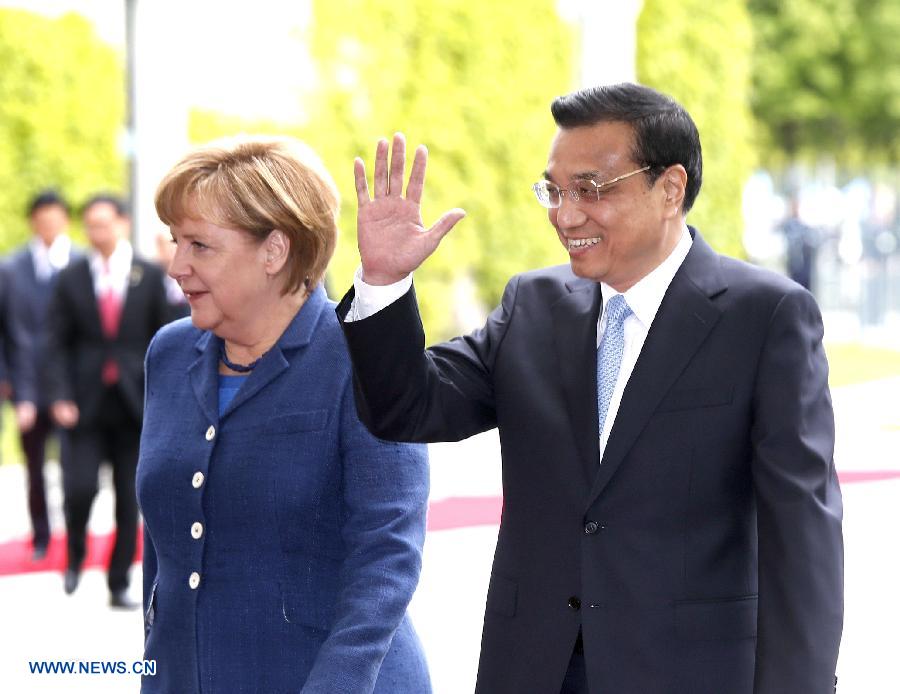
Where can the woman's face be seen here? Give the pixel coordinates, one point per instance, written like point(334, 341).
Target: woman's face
point(222, 272)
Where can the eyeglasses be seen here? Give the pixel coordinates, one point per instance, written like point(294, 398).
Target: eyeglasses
point(550, 195)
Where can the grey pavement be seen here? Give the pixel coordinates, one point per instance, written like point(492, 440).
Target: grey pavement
point(39, 622)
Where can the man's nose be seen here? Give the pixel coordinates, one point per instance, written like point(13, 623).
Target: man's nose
point(569, 214)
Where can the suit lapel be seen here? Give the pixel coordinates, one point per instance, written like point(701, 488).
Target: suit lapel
point(575, 336)
point(685, 318)
point(204, 375)
point(132, 288)
point(84, 287)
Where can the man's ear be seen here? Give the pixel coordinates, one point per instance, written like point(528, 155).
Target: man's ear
point(278, 245)
point(674, 182)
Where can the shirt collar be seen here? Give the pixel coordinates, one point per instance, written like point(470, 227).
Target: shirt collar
point(119, 261)
point(56, 255)
point(646, 295)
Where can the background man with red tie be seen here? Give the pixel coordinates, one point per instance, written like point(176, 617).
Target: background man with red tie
point(104, 310)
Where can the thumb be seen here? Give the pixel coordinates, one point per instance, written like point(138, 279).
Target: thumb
point(443, 225)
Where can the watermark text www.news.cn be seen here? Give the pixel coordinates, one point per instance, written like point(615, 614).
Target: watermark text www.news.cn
point(92, 667)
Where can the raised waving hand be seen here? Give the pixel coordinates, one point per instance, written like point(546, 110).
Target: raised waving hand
point(392, 239)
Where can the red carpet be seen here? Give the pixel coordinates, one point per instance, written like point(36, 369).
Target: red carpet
point(446, 514)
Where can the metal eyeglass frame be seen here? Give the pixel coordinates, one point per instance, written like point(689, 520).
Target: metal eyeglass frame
point(543, 186)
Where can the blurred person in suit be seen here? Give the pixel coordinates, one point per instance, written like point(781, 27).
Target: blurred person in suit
point(105, 309)
point(32, 274)
point(282, 540)
point(671, 509)
point(18, 378)
point(165, 254)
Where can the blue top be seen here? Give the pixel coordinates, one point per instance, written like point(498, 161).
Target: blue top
point(282, 540)
point(229, 385)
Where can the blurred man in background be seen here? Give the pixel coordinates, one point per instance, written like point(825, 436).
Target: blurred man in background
point(17, 375)
point(32, 274)
point(104, 310)
point(165, 253)
point(802, 242)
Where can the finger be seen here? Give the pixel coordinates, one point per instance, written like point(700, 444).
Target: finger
point(417, 175)
point(381, 181)
point(443, 226)
point(398, 163)
point(362, 185)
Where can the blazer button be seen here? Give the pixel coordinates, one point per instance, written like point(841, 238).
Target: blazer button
point(197, 531)
point(575, 603)
point(194, 580)
point(197, 480)
point(591, 527)
point(210, 433)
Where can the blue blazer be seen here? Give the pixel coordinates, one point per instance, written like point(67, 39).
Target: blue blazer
point(282, 541)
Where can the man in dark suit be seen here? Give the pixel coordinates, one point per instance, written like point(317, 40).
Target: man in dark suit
point(104, 310)
point(672, 516)
point(18, 380)
point(32, 275)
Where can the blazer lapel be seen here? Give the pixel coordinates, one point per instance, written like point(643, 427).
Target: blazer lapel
point(682, 323)
point(85, 288)
point(203, 374)
point(575, 336)
point(132, 288)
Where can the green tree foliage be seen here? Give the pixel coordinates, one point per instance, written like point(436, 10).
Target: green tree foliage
point(698, 52)
point(826, 78)
point(472, 81)
point(62, 101)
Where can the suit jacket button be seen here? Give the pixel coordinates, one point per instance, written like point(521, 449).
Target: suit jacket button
point(575, 603)
point(197, 531)
point(210, 433)
point(197, 480)
point(194, 580)
point(591, 527)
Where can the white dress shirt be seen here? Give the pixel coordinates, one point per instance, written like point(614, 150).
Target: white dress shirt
point(116, 274)
point(644, 299)
point(49, 260)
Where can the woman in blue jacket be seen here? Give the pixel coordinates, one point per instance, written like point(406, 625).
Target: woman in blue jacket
point(282, 540)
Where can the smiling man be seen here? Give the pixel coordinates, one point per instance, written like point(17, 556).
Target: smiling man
point(672, 516)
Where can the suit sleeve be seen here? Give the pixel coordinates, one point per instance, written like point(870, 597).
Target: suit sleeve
point(17, 347)
point(385, 495)
point(799, 506)
point(407, 393)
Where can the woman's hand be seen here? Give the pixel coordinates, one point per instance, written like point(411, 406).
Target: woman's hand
point(392, 239)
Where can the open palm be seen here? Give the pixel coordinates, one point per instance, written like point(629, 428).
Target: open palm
point(392, 238)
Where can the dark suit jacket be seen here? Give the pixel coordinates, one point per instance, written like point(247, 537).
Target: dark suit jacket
point(77, 348)
point(703, 555)
point(29, 301)
point(16, 345)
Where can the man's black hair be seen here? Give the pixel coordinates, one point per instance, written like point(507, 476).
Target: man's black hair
point(47, 198)
point(117, 202)
point(664, 133)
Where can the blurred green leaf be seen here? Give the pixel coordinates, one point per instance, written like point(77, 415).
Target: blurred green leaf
point(62, 104)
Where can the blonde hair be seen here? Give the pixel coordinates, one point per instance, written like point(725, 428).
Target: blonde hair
point(257, 184)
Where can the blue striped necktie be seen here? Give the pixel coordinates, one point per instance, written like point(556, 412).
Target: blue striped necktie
point(609, 354)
